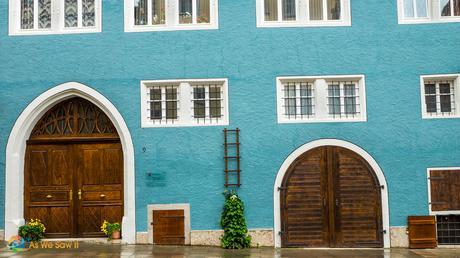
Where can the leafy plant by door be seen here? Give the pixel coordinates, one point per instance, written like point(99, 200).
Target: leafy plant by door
point(233, 223)
point(32, 231)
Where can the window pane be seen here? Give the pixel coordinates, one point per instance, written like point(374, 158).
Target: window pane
point(457, 7)
point(409, 9)
point(271, 10)
point(89, 13)
point(199, 103)
point(333, 9)
point(334, 99)
point(445, 8)
point(290, 99)
point(430, 98)
point(350, 99)
point(445, 98)
point(155, 104)
point(44, 14)
point(185, 11)
point(289, 10)
point(171, 103)
point(71, 13)
point(316, 10)
point(158, 12)
point(421, 8)
point(140, 12)
point(215, 102)
point(27, 14)
point(306, 100)
point(204, 10)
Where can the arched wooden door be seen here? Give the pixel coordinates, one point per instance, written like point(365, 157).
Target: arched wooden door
point(330, 197)
point(73, 176)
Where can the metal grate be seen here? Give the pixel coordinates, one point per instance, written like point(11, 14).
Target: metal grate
point(163, 104)
point(440, 98)
point(448, 228)
point(207, 103)
point(232, 158)
point(298, 100)
point(343, 99)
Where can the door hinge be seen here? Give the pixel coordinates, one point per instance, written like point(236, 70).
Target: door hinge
point(281, 233)
point(383, 231)
point(282, 188)
point(382, 187)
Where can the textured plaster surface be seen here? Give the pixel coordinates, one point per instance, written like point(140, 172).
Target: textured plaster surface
point(399, 237)
point(184, 165)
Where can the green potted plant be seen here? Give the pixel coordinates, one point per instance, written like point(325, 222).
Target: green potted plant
point(32, 231)
point(112, 230)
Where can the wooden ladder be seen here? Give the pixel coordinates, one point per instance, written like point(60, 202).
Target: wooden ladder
point(232, 158)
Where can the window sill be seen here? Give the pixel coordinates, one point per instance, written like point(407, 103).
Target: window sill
point(54, 32)
point(150, 28)
point(151, 125)
point(287, 24)
point(326, 120)
point(429, 21)
point(426, 116)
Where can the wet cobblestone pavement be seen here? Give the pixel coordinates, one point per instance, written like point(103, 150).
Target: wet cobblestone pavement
point(115, 250)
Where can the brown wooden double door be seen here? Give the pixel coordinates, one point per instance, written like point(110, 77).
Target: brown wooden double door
point(72, 188)
point(330, 197)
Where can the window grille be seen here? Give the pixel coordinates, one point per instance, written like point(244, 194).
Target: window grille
point(232, 158)
point(343, 99)
point(207, 103)
point(163, 104)
point(298, 100)
point(448, 229)
point(440, 98)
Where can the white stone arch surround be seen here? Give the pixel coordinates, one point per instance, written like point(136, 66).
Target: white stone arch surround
point(15, 152)
point(339, 143)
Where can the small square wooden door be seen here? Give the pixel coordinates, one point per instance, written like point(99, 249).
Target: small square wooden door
point(168, 227)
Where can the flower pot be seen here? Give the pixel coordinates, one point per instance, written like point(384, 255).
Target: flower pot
point(116, 235)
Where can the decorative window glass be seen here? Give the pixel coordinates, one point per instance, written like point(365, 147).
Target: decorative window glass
point(321, 99)
point(154, 15)
point(440, 96)
point(30, 17)
point(296, 13)
point(184, 103)
point(428, 11)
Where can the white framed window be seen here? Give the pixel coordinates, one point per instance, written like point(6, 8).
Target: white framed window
point(440, 96)
point(177, 103)
point(303, 13)
point(164, 15)
point(312, 99)
point(428, 11)
point(38, 17)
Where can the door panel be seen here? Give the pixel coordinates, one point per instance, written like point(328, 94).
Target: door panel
point(330, 197)
point(100, 180)
point(168, 227)
point(47, 180)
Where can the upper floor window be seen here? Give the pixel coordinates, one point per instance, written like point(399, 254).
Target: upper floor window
point(440, 96)
point(297, 13)
point(156, 15)
point(428, 11)
point(173, 103)
point(321, 99)
point(30, 17)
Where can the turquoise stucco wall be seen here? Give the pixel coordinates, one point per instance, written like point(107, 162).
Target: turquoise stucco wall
point(186, 163)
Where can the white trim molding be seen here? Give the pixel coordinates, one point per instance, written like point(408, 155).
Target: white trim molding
point(331, 142)
point(431, 212)
point(432, 15)
point(16, 146)
point(302, 15)
point(171, 17)
point(454, 79)
point(175, 206)
point(57, 19)
point(319, 106)
point(184, 101)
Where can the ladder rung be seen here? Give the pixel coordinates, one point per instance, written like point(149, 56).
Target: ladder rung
point(232, 157)
point(233, 185)
point(233, 171)
point(232, 143)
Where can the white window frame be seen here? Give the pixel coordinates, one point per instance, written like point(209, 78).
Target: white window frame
point(302, 16)
point(185, 104)
point(57, 20)
point(431, 212)
point(320, 98)
point(433, 14)
point(171, 17)
point(441, 77)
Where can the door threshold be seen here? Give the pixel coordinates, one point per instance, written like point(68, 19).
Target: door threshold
point(101, 240)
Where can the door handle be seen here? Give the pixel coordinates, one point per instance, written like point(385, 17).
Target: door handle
point(70, 195)
point(102, 195)
point(49, 196)
point(79, 194)
point(337, 202)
